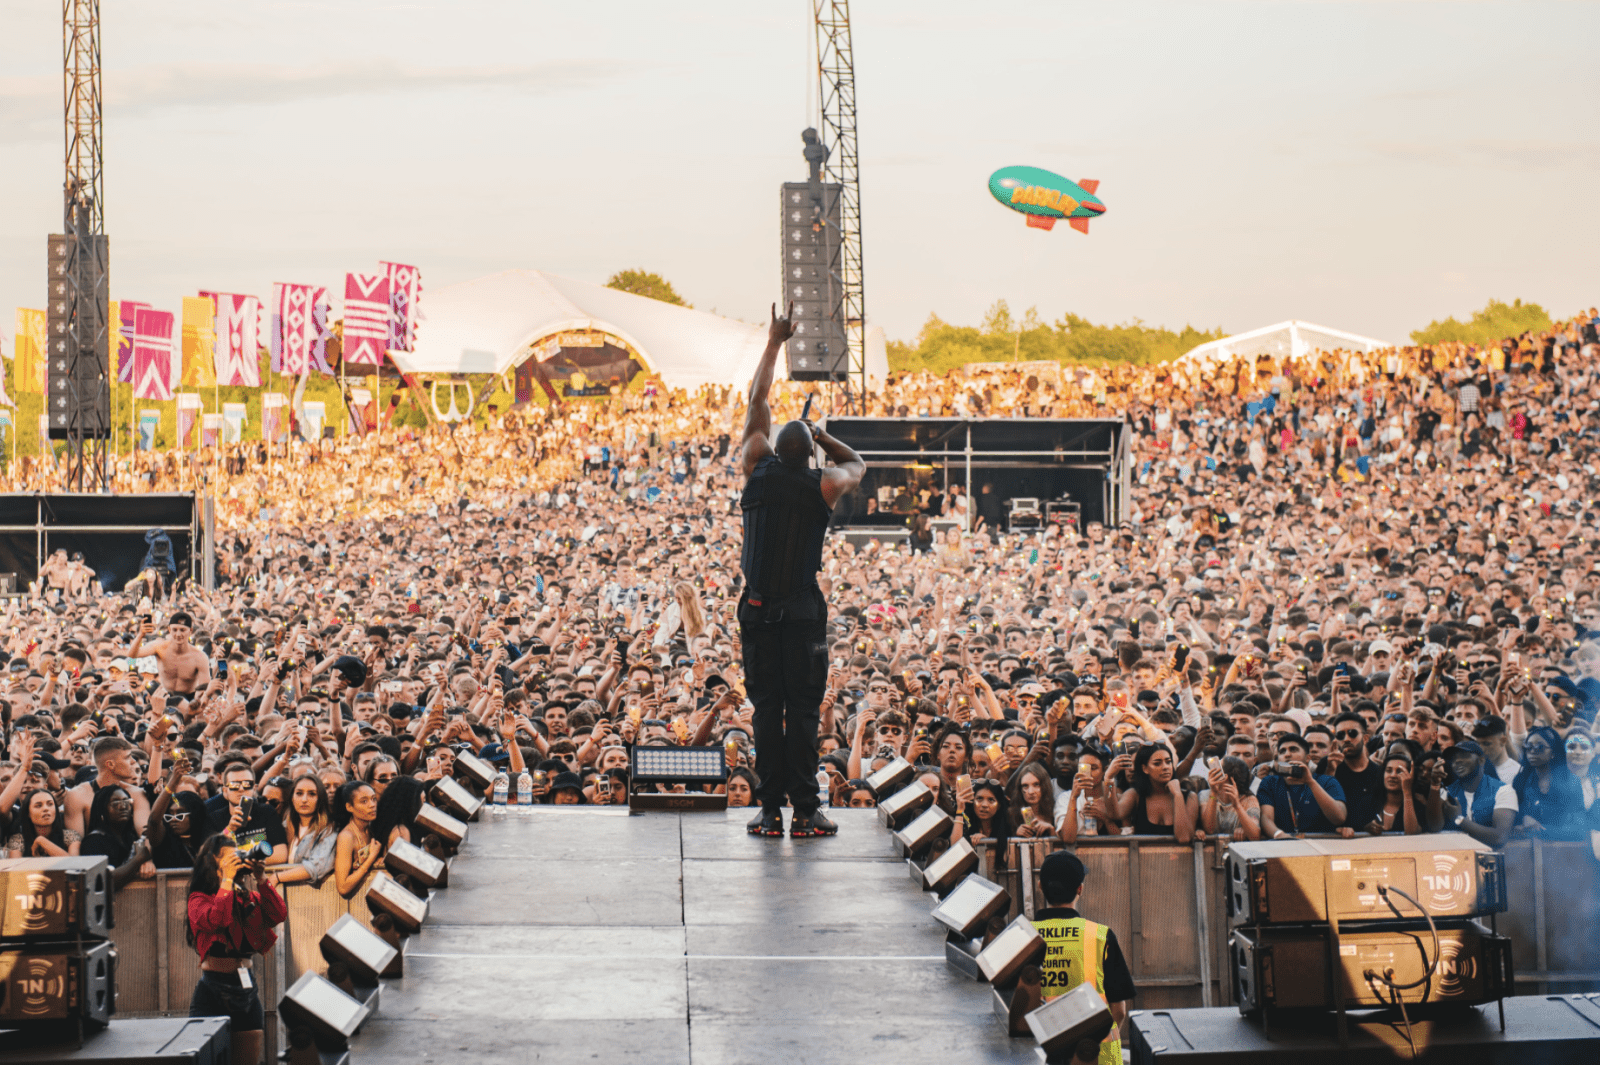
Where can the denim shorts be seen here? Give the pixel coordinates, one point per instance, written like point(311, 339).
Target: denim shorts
point(219, 995)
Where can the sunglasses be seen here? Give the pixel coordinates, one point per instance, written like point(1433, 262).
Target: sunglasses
point(383, 778)
point(173, 818)
point(877, 690)
point(237, 787)
point(1348, 734)
point(891, 730)
point(1580, 746)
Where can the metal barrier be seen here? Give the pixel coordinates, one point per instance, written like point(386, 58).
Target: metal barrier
point(1168, 905)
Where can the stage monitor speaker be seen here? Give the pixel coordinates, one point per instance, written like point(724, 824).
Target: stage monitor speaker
point(386, 894)
point(53, 982)
point(1287, 968)
point(1018, 945)
point(945, 872)
point(913, 840)
point(475, 769)
point(55, 898)
point(454, 797)
point(432, 819)
point(413, 861)
point(321, 1005)
point(891, 778)
point(367, 953)
point(1288, 881)
point(898, 809)
point(1063, 1021)
point(967, 909)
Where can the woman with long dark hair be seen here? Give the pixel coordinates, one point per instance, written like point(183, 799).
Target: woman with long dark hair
point(233, 909)
point(1402, 810)
point(40, 829)
point(986, 817)
point(308, 826)
point(1032, 801)
point(398, 806)
point(178, 823)
point(1156, 804)
point(1549, 797)
point(109, 832)
point(355, 851)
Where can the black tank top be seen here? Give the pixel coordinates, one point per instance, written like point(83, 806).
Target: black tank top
point(785, 521)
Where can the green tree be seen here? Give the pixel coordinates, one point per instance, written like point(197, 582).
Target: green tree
point(641, 283)
point(1495, 322)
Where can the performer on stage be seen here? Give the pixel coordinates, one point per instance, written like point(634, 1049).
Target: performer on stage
point(1080, 951)
point(783, 616)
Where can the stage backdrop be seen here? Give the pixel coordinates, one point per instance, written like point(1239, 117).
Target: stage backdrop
point(108, 529)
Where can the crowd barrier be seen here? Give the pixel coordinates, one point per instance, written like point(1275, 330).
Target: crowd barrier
point(157, 969)
point(1167, 903)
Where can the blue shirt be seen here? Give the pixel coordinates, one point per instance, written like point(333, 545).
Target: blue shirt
point(1294, 808)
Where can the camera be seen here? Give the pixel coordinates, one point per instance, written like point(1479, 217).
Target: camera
point(258, 851)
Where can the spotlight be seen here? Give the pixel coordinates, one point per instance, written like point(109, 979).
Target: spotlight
point(945, 871)
point(898, 809)
point(1064, 1021)
point(968, 908)
point(1020, 944)
point(913, 840)
point(432, 819)
point(407, 910)
point(317, 1003)
point(366, 952)
point(413, 861)
point(892, 777)
point(455, 798)
point(692, 766)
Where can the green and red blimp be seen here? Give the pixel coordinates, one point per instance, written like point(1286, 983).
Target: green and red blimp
point(1043, 197)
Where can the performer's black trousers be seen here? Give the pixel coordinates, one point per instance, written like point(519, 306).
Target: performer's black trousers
point(786, 675)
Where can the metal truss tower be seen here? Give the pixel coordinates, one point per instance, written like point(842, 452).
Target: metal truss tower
point(82, 362)
point(836, 87)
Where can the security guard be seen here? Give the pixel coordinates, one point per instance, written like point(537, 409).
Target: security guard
point(1078, 950)
point(783, 616)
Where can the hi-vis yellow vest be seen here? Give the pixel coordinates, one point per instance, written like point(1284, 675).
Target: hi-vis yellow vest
point(1075, 953)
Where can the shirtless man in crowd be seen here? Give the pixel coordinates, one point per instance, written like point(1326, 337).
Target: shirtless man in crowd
point(184, 667)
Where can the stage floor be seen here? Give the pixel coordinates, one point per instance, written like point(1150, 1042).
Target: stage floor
point(590, 935)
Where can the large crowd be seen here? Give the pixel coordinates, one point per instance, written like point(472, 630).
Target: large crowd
point(1354, 592)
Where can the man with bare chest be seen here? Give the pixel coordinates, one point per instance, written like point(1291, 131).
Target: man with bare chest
point(184, 667)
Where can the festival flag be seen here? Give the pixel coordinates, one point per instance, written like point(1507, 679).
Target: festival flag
point(45, 450)
point(126, 315)
point(237, 334)
point(234, 417)
point(152, 355)
point(30, 343)
point(294, 327)
point(189, 407)
point(321, 316)
point(199, 340)
point(359, 400)
point(272, 421)
point(366, 318)
point(313, 412)
point(149, 422)
point(5, 424)
point(210, 429)
point(405, 290)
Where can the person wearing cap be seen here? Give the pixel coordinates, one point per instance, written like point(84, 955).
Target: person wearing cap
point(184, 667)
point(1463, 797)
point(1079, 951)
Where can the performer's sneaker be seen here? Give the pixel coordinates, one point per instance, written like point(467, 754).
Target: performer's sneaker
point(769, 823)
point(804, 826)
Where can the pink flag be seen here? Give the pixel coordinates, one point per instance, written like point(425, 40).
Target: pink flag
point(122, 358)
point(190, 408)
point(152, 354)
point(405, 289)
point(295, 308)
point(366, 318)
point(238, 339)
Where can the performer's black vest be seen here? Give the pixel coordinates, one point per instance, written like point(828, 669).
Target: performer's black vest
point(785, 520)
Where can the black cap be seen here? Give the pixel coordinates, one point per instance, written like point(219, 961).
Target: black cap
point(1061, 876)
point(352, 669)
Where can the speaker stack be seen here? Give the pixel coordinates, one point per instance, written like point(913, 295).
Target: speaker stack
point(1370, 923)
point(58, 967)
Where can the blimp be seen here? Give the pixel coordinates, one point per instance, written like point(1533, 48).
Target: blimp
point(1043, 197)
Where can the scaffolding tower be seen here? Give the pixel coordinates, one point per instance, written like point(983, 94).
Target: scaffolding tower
point(836, 87)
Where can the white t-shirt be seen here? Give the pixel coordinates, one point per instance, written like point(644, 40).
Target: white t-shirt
point(1504, 799)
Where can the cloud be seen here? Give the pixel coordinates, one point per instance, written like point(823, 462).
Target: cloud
point(30, 107)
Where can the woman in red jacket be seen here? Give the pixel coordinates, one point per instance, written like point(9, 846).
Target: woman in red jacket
point(233, 909)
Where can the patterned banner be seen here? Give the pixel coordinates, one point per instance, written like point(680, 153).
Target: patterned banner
point(366, 318)
point(199, 341)
point(189, 406)
point(273, 425)
point(45, 450)
point(237, 339)
point(152, 355)
point(210, 429)
point(294, 327)
point(126, 316)
point(405, 289)
point(313, 412)
point(149, 422)
point(234, 417)
point(30, 341)
point(322, 316)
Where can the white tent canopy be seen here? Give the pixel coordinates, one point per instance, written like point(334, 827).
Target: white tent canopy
point(1292, 338)
point(489, 325)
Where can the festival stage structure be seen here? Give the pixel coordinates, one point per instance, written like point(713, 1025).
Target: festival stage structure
point(1066, 470)
point(110, 531)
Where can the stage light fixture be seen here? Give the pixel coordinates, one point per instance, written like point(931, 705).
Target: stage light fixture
point(968, 908)
point(891, 778)
point(432, 819)
point(679, 765)
point(55, 898)
point(1008, 952)
point(476, 769)
point(944, 872)
point(407, 910)
point(913, 840)
point(317, 1003)
point(1061, 1023)
point(413, 861)
point(898, 809)
point(451, 795)
point(366, 952)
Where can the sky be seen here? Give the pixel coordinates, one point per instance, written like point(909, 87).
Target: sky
point(1369, 166)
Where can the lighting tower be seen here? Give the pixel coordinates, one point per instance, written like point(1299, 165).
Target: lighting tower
point(80, 408)
point(836, 87)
